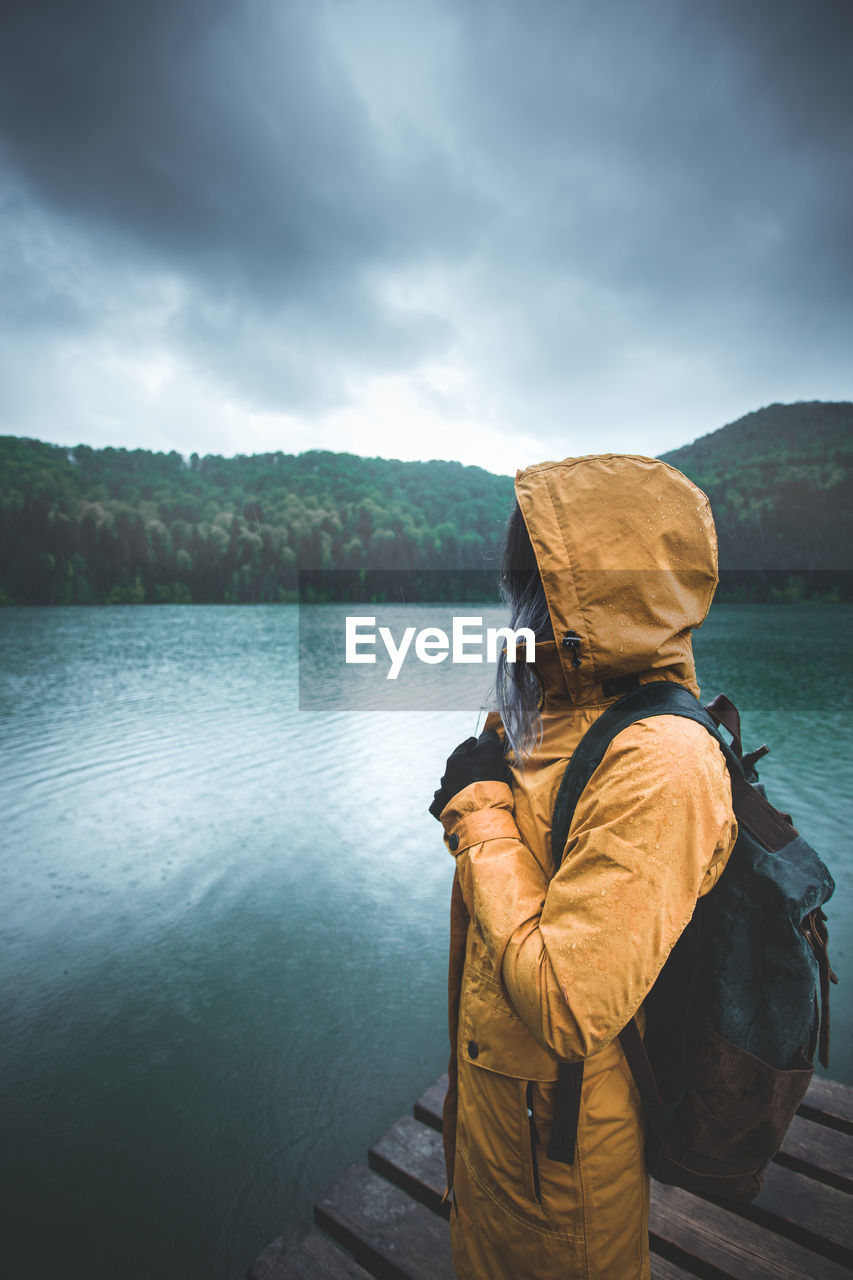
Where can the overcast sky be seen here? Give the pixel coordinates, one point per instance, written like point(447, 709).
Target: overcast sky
point(473, 229)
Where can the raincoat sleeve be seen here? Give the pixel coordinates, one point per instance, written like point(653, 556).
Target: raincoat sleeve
point(578, 954)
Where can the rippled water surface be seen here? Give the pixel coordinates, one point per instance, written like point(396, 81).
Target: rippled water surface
point(224, 920)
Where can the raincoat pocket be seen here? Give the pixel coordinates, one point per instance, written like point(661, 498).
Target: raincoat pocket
point(530, 1142)
point(492, 1036)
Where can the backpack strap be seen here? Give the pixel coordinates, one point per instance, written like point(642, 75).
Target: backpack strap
point(567, 1109)
point(660, 697)
point(766, 825)
point(724, 712)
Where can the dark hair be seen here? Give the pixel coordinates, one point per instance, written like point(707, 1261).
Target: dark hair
point(517, 686)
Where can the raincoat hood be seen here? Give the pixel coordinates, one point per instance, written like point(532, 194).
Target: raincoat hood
point(627, 552)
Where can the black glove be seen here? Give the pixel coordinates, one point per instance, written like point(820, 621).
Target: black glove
point(474, 760)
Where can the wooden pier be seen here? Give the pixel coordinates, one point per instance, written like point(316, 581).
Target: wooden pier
point(388, 1219)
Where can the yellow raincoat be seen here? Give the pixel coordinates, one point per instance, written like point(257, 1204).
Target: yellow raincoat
point(544, 968)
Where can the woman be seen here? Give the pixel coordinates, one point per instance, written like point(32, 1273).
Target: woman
point(611, 561)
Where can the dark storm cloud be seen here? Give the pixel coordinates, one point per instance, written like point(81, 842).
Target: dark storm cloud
point(691, 158)
point(225, 143)
point(601, 191)
point(213, 133)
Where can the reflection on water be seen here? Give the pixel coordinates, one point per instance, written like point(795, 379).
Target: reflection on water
point(224, 926)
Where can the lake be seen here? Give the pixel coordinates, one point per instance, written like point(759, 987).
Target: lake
point(224, 919)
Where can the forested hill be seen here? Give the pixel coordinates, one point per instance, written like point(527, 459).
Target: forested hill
point(89, 525)
point(113, 525)
point(780, 481)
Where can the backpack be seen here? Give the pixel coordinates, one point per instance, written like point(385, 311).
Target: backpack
point(742, 1002)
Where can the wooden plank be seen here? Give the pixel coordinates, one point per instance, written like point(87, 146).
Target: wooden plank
point(427, 1109)
point(820, 1152)
point(410, 1154)
point(817, 1216)
point(830, 1103)
point(304, 1255)
point(800, 1225)
point(717, 1237)
point(389, 1233)
point(663, 1269)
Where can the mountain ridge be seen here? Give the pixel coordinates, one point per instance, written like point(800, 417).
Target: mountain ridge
point(84, 525)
